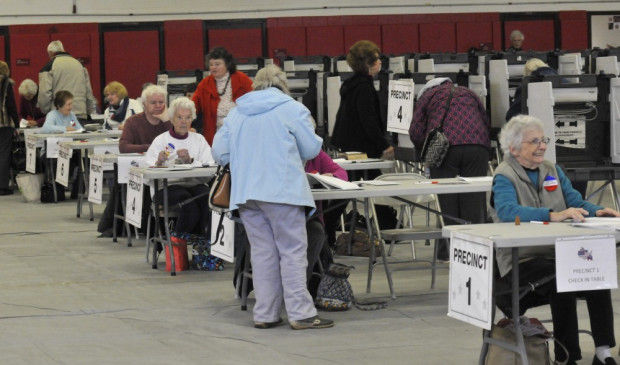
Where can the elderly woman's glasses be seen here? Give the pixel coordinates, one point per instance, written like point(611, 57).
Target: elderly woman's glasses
point(538, 141)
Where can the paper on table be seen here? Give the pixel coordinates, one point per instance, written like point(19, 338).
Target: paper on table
point(331, 182)
point(376, 182)
point(476, 178)
point(81, 130)
point(602, 222)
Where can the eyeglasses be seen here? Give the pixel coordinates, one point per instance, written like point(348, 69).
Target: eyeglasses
point(538, 141)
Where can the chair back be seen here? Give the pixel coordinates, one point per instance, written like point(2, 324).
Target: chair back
point(404, 177)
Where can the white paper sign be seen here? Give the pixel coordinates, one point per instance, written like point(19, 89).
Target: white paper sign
point(162, 80)
point(586, 263)
point(52, 146)
point(224, 248)
point(125, 162)
point(62, 166)
point(100, 150)
point(570, 131)
point(133, 210)
point(95, 183)
point(471, 279)
point(400, 105)
point(31, 155)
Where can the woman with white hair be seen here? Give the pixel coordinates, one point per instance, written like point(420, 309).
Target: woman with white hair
point(266, 139)
point(180, 146)
point(527, 186)
point(28, 108)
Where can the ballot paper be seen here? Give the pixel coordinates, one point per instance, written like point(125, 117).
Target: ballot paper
point(600, 222)
point(331, 182)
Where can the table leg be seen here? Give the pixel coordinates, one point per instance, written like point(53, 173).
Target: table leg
point(124, 202)
point(373, 231)
point(117, 200)
point(52, 177)
point(515, 306)
point(167, 228)
point(80, 183)
point(156, 203)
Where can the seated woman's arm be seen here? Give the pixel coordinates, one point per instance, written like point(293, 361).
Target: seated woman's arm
point(327, 166)
point(50, 125)
point(572, 197)
point(507, 206)
point(204, 153)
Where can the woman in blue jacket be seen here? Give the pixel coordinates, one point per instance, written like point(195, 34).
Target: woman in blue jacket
point(266, 139)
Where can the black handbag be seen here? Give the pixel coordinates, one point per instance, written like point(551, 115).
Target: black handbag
point(436, 143)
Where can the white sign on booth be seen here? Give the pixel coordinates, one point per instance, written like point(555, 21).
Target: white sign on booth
point(586, 263)
point(31, 155)
point(51, 148)
point(400, 105)
point(225, 247)
point(62, 166)
point(104, 150)
point(95, 183)
point(125, 162)
point(471, 280)
point(133, 209)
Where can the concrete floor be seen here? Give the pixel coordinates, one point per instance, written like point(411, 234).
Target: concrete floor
point(68, 297)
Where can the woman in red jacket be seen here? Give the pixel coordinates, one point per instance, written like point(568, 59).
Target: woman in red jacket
point(216, 94)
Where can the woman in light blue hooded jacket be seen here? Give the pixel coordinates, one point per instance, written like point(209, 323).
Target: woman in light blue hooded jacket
point(266, 139)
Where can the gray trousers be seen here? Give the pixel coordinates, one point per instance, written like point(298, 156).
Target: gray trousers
point(278, 241)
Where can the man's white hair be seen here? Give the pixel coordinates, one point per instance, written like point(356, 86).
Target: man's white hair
point(152, 90)
point(515, 33)
point(55, 47)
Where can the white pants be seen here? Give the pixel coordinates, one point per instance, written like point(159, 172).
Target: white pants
point(278, 241)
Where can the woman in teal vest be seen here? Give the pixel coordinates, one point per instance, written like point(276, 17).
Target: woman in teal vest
point(534, 189)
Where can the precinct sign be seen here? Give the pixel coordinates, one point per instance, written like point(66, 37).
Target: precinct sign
point(586, 263)
point(471, 279)
point(133, 209)
point(400, 105)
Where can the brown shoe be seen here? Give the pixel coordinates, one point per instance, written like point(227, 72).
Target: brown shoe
point(312, 322)
point(265, 325)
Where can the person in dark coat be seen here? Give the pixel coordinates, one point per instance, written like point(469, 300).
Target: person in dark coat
point(359, 126)
point(8, 122)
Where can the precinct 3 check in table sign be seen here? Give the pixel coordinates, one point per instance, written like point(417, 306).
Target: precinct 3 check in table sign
point(471, 279)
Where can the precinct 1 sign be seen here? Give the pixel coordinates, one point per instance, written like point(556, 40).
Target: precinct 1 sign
point(586, 263)
point(400, 105)
point(471, 279)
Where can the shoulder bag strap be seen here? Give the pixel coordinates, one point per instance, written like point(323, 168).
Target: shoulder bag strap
point(447, 106)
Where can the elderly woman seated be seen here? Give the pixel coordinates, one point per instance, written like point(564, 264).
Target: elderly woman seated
point(180, 146)
point(28, 109)
point(534, 189)
point(120, 106)
point(62, 119)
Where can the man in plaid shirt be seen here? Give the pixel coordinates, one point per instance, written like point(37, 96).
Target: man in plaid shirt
point(467, 128)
